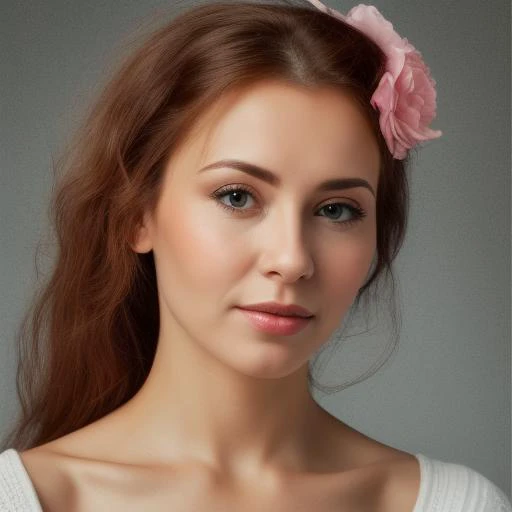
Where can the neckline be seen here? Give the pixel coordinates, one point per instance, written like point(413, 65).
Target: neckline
point(34, 499)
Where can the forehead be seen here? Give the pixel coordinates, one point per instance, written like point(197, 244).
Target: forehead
point(282, 126)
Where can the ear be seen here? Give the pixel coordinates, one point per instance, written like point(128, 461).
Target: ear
point(142, 242)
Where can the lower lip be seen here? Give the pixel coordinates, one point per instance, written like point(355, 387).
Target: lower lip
point(275, 324)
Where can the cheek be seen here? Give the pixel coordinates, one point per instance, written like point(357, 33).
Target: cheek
point(204, 252)
point(346, 267)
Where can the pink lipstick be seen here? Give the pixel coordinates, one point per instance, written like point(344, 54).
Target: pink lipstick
point(275, 324)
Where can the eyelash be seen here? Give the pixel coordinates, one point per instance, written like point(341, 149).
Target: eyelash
point(356, 211)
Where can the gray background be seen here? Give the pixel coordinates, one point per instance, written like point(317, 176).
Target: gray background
point(447, 392)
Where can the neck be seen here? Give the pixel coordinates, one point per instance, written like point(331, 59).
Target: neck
point(195, 408)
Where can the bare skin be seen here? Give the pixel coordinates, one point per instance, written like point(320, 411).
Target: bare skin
point(225, 420)
point(88, 470)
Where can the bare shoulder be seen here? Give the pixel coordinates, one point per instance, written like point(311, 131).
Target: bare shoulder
point(65, 482)
point(402, 487)
point(48, 472)
point(64, 472)
point(373, 476)
point(390, 478)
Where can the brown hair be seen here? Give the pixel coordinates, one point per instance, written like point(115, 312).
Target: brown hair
point(88, 339)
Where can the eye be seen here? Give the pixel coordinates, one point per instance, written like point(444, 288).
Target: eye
point(235, 195)
point(355, 213)
point(236, 198)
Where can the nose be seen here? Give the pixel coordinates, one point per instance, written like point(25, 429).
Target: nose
point(284, 249)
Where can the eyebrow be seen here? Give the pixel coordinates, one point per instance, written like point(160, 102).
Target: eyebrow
point(268, 176)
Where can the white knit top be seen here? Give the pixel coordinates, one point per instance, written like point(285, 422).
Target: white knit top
point(444, 487)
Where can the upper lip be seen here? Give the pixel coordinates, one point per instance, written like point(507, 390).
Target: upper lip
point(279, 309)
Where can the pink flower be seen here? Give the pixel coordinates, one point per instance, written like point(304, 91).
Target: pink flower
point(407, 105)
point(406, 94)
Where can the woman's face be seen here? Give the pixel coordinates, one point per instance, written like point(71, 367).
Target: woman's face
point(223, 238)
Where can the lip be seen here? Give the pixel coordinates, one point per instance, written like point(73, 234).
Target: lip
point(275, 308)
point(275, 324)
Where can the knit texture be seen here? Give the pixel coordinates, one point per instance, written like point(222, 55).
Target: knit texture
point(450, 487)
point(17, 494)
point(444, 487)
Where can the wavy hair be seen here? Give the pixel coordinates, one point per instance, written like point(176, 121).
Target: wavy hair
point(88, 338)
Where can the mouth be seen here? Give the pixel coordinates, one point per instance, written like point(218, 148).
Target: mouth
point(271, 323)
point(282, 310)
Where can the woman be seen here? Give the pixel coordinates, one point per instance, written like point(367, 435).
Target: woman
point(239, 185)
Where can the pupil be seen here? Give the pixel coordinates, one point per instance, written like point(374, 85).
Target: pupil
point(333, 207)
point(236, 196)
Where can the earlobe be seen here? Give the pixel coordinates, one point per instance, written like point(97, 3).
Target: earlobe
point(142, 242)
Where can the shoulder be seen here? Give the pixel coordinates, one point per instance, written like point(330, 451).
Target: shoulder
point(53, 475)
point(458, 488)
point(16, 488)
point(60, 478)
point(66, 480)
